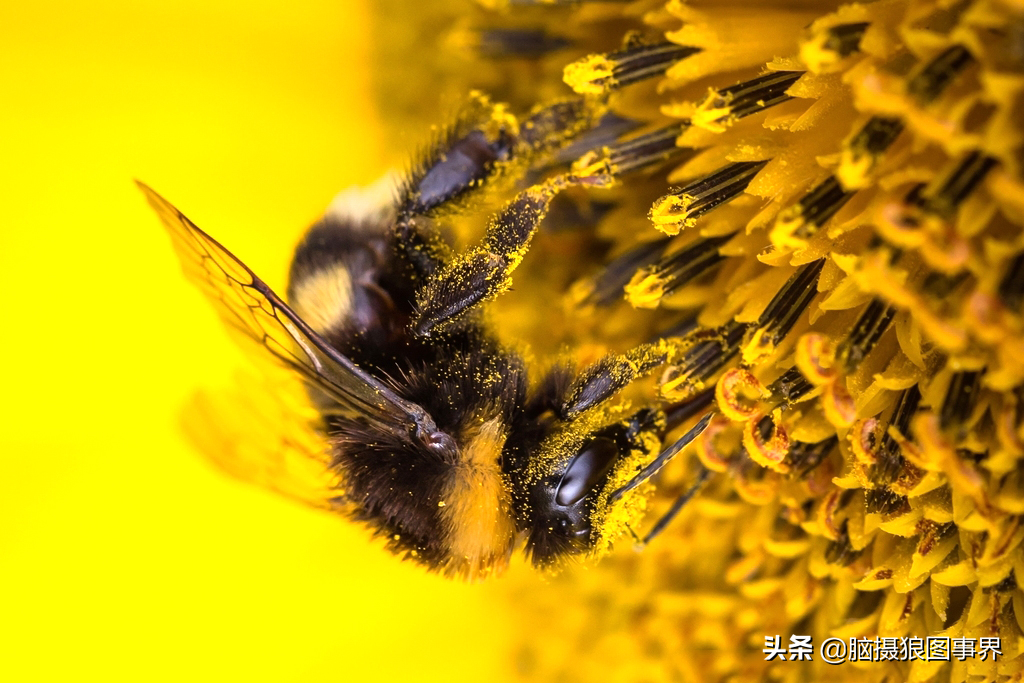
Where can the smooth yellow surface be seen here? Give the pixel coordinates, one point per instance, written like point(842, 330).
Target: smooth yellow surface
point(123, 555)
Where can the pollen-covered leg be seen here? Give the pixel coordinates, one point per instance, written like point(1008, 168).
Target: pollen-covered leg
point(484, 272)
point(486, 148)
point(603, 379)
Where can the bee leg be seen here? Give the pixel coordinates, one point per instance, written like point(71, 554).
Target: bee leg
point(551, 128)
point(702, 477)
point(607, 376)
point(485, 143)
point(485, 271)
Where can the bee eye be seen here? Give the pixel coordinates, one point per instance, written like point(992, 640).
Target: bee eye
point(586, 469)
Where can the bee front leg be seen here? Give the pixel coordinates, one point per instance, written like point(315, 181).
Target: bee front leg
point(604, 378)
point(486, 271)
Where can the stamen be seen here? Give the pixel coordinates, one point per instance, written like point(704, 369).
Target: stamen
point(783, 311)
point(702, 360)
point(683, 207)
point(1011, 287)
point(499, 43)
point(804, 457)
point(941, 285)
point(844, 39)
point(868, 329)
point(601, 73)
point(832, 45)
point(861, 154)
point(961, 396)
point(890, 461)
point(884, 501)
point(791, 386)
point(609, 286)
point(876, 135)
point(812, 211)
point(591, 143)
point(929, 83)
point(722, 107)
point(677, 414)
point(840, 551)
point(649, 285)
point(957, 185)
point(682, 328)
point(646, 150)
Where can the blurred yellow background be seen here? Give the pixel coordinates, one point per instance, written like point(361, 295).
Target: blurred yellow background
point(123, 554)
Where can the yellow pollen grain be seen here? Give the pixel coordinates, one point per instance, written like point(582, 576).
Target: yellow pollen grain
point(591, 75)
point(645, 290)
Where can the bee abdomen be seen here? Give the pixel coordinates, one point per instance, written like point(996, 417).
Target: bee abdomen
point(334, 283)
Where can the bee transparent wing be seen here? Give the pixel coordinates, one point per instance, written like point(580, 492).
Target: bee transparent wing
point(248, 305)
point(266, 436)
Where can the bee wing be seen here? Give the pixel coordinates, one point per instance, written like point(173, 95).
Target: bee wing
point(248, 305)
point(267, 436)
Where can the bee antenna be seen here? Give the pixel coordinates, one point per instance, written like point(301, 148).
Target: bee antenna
point(663, 458)
point(677, 505)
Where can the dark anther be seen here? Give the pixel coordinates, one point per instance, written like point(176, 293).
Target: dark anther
point(884, 502)
point(804, 457)
point(755, 95)
point(1011, 287)
point(715, 189)
point(868, 329)
point(928, 83)
point(609, 285)
point(791, 386)
point(958, 184)
point(840, 551)
point(961, 395)
point(844, 39)
point(528, 42)
point(890, 461)
point(679, 269)
point(645, 150)
point(877, 134)
point(789, 303)
point(820, 204)
point(644, 61)
point(705, 358)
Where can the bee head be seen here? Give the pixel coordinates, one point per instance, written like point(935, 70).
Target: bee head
point(569, 510)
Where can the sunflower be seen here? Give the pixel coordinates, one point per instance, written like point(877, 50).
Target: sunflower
point(822, 205)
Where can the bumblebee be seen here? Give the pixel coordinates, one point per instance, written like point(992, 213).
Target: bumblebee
point(438, 440)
